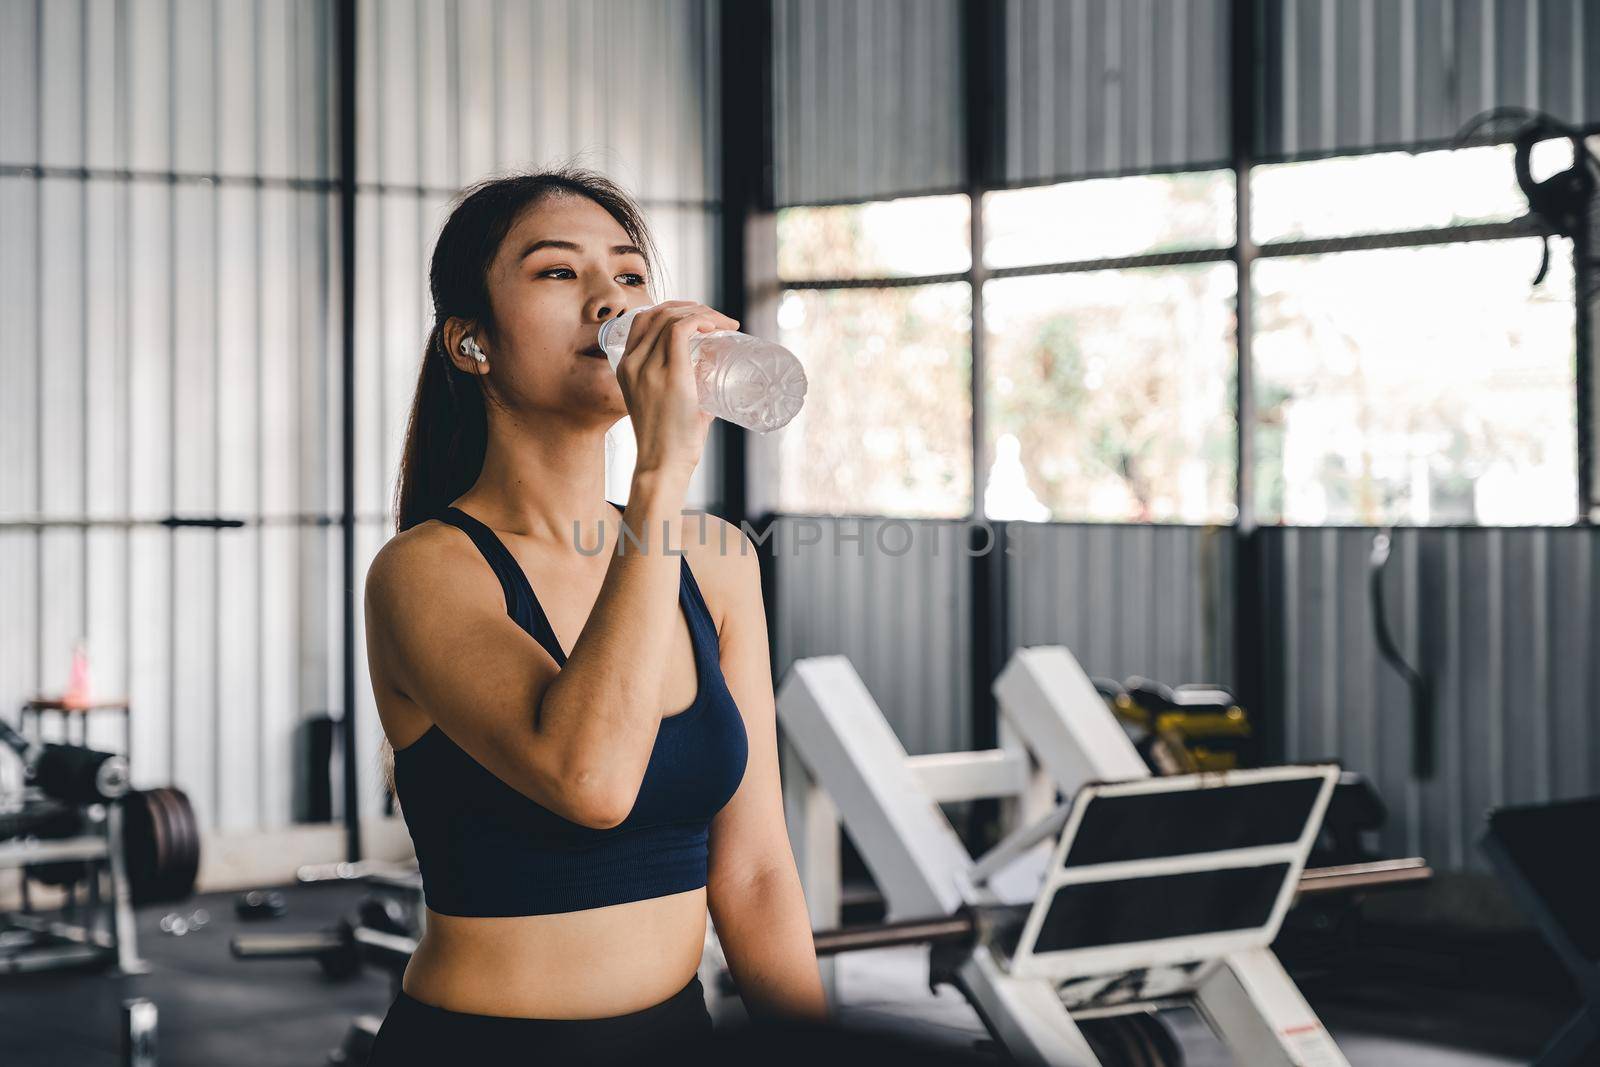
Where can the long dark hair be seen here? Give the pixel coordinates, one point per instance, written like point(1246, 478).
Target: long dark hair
point(448, 429)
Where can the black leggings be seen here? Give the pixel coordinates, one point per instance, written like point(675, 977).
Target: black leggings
point(414, 1033)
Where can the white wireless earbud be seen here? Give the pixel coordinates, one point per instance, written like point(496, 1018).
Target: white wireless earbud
point(469, 347)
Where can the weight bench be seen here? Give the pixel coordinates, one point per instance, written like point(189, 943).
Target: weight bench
point(1156, 891)
point(1536, 851)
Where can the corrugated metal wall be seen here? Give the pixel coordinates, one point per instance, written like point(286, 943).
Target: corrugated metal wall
point(894, 595)
point(1506, 622)
point(867, 95)
point(1149, 600)
point(867, 99)
point(1353, 74)
point(169, 268)
point(452, 91)
point(1114, 87)
point(169, 353)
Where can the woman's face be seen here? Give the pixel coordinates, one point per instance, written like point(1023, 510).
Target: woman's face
point(565, 267)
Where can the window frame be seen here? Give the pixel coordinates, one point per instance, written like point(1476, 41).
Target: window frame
point(1243, 253)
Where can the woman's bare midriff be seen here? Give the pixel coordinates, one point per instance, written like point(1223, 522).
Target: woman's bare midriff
point(587, 964)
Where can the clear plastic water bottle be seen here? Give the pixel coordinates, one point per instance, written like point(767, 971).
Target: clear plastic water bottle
point(747, 381)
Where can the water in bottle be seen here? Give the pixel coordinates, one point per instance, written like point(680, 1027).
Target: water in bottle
point(743, 379)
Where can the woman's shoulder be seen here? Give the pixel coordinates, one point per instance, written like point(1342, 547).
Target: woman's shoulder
point(429, 552)
point(721, 555)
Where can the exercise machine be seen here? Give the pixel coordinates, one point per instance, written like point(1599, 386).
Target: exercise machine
point(68, 821)
point(1154, 891)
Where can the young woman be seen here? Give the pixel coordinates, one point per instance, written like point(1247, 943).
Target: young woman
point(577, 694)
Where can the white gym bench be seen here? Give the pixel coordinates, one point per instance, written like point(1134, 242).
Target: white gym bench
point(1137, 893)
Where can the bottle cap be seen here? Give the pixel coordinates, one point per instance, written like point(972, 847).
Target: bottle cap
point(606, 330)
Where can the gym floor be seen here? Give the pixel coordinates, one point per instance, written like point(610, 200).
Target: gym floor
point(216, 1010)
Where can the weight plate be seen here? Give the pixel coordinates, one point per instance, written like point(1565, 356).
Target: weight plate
point(186, 862)
point(160, 889)
point(161, 845)
point(181, 861)
point(144, 834)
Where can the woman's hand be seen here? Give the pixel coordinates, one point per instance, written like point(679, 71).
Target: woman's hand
point(658, 384)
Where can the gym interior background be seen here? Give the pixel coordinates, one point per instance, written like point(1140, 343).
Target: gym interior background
point(1228, 326)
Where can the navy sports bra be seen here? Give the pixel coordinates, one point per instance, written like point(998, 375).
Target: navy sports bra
point(486, 849)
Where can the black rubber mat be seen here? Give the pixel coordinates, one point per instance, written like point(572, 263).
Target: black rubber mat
point(212, 1009)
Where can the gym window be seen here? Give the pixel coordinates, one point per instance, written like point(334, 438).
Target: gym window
point(1110, 395)
point(1402, 376)
point(1388, 192)
point(884, 239)
point(1110, 392)
point(1100, 218)
point(887, 425)
point(1416, 385)
point(1405, 368)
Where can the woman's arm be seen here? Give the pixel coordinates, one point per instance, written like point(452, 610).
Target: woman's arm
point(752, 888)
point(611, 682)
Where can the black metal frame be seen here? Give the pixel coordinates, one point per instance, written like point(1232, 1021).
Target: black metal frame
point(347, 328)
point(1249, 576)
point(982, 68)
point(745, 60)
point(1586, 292)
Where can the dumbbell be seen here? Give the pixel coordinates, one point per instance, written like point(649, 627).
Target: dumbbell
point(260, 904)
point(385, 914)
